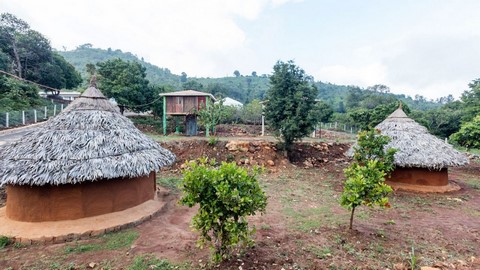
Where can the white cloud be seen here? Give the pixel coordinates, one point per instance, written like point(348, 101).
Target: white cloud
point(364, 75)
point(179, 34)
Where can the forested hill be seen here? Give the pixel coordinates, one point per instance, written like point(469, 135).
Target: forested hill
point(86, 54)
point(243, 87)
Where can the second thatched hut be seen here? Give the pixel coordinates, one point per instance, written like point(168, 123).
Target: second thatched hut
point(87, 161)
point(422, 160)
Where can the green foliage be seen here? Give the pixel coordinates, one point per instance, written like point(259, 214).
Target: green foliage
point(366, 175)
point(172, 183)
point(290, 110)
point(471, 101)
point(469, 134)
point(4, 241)
point(324, 111)
point(212, 140)
point(252, 112)
point(16, 95)
point(226, 195)
point(28, 54)
point(442, 121)
point(210, 116)
point(109, 241)
point(366, 118)
point(192, 85)
point(84, 57)
point(125, 81)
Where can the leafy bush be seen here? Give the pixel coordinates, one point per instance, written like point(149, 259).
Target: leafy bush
point(366, 175)
point(226, 194)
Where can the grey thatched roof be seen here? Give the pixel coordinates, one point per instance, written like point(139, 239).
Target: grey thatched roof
point(88, 141)
point(415, 146)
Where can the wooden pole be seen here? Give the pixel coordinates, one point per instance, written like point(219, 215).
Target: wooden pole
point(164, 118)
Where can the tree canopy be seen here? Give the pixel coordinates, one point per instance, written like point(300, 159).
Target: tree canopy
point(126, 83)
point(290, 109)
point(28, 54)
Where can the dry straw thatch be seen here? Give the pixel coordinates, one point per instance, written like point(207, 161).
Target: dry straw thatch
point(88, 141)
point(416, 148)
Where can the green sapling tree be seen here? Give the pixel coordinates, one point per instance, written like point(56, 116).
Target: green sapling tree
point(226, 195)
point(365, 184)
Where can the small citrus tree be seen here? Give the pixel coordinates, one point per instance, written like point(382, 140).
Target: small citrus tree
point(226, 195)
point(210, 116)
point(365, 184)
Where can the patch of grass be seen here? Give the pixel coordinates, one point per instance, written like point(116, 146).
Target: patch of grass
point(143, 262)
point(312, 218)
point(171, 183)
point(4, 241)
point(109, 241)
point(321, 253)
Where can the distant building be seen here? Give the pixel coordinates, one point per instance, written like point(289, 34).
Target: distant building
point(67, 95)
point(185, 104)
point(231, 102)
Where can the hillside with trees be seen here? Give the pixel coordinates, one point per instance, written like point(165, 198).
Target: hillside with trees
point(28, 55)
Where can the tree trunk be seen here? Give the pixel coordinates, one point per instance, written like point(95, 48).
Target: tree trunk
point(351, 218)
point(17, 59)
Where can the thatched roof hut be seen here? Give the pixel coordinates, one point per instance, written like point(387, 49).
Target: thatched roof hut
point(88, 148)
point(421, 158)
point(415, 146)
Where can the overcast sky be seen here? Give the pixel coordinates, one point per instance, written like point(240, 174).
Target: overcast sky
point(426, 47)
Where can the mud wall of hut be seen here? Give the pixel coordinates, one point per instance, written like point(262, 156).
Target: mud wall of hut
point(68, 202)
point(420, 176)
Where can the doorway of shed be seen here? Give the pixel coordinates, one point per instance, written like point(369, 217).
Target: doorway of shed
point(191, 124)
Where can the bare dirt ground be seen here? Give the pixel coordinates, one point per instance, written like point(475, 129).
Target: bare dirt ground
point(304, 226)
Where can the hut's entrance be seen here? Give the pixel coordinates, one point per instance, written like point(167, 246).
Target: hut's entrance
point(191, 124)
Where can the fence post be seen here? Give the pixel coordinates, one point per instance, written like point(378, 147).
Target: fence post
point(351, 130)
point(61, 107)
point(345, 127)
point(6, 119)
point(45, 113)
point(54, 109)
point(23, 118)
point(35, 116)
point(263, 124)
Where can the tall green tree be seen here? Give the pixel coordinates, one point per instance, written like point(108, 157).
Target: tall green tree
point(28, 54)
point(126, 83)
point(469, 134)
point(471, 101)
point(290, 109)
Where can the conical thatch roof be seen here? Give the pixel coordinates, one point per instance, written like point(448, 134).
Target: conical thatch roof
point(415, 146)
point(88, 141)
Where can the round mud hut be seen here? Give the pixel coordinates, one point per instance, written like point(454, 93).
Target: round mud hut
point(87, 161)
point(422, 160)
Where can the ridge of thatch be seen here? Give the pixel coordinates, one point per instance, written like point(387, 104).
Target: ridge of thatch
point(88, 141)
point(416, 147)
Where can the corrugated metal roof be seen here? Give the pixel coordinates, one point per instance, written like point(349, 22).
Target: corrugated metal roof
point(188, 93)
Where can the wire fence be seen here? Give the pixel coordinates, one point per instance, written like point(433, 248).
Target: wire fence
point(31, 116)
point(338, 127)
